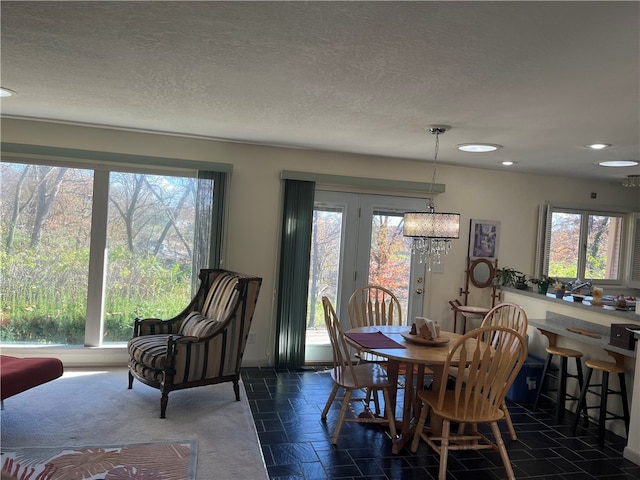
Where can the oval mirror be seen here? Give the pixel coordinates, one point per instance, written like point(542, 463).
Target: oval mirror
point(481, 273)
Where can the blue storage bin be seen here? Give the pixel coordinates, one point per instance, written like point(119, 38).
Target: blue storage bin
point(527, 383)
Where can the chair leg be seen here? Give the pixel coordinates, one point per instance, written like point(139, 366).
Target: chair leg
point(343, 412)
point(625, 402)
point(376, 400)
point(544, 380)
point(503, 450)
point(562, 390)
point(164, 400)
point(332, 397)
point(507, 418)
point(602, 420)
point(580, 383)
point(419, 427)
point(236, 389)
point(444, 449)
point(582, 401)
point(130, 380)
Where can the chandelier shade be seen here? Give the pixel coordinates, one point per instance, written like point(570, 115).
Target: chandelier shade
point(431, 225)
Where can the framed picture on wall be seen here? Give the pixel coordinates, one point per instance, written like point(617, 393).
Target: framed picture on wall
point(483, 239)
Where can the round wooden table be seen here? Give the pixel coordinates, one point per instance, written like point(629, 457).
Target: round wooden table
point(412, 354)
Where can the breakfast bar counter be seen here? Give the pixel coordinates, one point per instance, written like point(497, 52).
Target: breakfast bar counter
point(556, 316)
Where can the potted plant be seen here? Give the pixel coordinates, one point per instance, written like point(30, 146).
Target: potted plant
point(507, 276)
point(521, 282)
point(543, 283)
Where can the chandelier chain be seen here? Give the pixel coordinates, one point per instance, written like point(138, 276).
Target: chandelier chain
point(435, 160)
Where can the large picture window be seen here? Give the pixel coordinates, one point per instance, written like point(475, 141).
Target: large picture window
point(85, 251)
point(582, 244)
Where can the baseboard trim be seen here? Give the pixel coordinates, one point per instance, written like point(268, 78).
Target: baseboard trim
point(631, 455)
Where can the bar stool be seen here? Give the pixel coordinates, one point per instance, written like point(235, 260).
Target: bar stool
point(603, 391)
point(467, 311)
point(561, 376)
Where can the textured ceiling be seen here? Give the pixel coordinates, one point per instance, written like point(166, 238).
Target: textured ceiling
point(540, 78)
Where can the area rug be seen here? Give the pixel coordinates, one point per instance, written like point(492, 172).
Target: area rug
point(138, 461)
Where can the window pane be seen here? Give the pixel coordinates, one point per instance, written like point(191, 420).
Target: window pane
point(603, 247)
point(585, 245)
point(150, 241)
point(45, 222)
point(564, 247)
point(390, 256)
point(326, 245)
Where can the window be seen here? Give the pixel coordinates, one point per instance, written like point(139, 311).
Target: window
point(86, 250)
point(582, 244)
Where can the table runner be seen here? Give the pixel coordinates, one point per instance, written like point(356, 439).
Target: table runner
point(373, 340)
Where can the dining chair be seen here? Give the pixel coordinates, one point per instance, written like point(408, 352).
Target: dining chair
point(352, 377)
point(374, 305)
point(370, 306)
point(509, 315)
point(493, 356)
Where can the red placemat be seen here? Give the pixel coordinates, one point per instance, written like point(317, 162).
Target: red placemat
point(374, 340)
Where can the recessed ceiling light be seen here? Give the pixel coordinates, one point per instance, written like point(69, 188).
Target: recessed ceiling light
point(599, 146)
point(478, 147)
point(508, 163)
point(618, 163)
point(5, 92)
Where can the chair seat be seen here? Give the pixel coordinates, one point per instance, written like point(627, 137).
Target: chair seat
point(463, 414)
point(605, 366)
point(564, 352)
point(369, 375)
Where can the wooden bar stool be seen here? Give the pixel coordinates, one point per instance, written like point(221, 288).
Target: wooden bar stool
point(603, 391)
point(560, 374)
point(467, 311)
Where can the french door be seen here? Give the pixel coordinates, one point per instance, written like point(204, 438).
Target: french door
point(356, 240)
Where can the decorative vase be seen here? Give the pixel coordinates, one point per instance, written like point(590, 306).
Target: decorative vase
point(543, 287)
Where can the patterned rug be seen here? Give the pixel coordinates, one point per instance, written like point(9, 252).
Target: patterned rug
point(139, 461)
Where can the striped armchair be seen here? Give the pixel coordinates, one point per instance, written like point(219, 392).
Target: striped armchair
point(203, 344)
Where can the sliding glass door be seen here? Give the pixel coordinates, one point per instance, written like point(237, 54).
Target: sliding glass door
point(356, 240)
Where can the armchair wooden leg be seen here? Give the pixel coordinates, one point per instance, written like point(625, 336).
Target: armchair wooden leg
point(163, 404)
point(236, 389)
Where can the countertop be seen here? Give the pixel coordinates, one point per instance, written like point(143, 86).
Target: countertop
point(557, 323)
point(549, 297)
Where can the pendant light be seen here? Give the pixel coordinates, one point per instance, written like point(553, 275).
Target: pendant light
point(432, 231)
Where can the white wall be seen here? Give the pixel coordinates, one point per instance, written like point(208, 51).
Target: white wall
point(256, 196)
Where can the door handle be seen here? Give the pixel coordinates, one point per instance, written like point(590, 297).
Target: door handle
point(419, 291)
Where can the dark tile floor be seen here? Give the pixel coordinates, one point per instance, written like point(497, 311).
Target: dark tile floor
point(286, 407)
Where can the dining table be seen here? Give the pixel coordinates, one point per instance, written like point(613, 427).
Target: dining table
point(396, 344)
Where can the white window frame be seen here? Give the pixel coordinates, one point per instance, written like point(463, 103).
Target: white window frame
point(626, 269)
point(102, 163)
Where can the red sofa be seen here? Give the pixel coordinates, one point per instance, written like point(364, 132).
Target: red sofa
point(20, 374)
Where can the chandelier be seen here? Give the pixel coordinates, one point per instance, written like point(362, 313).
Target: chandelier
point(432, 232)
point(631, 181)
